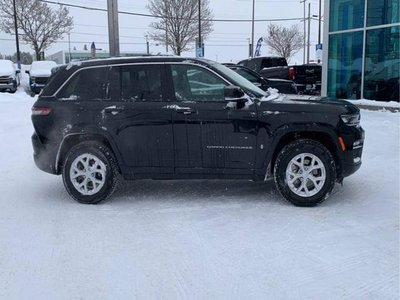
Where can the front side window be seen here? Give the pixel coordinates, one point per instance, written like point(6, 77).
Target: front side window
point(141, 83)
point(87, 84)
point(192, 83)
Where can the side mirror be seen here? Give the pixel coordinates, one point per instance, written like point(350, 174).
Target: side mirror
point(27, 71)
point(18, 71)
point(234, 93)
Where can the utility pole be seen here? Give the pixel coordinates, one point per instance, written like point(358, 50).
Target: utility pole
point(304, 32)
point(200, 43)
point(308, 33)
point(113, 30)
point(16, 36)
point(252, 32)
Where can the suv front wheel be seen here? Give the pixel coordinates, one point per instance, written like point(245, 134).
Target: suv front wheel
point(90, 172)
point(305, 172)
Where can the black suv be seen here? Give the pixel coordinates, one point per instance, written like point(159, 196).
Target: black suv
point(178, 118)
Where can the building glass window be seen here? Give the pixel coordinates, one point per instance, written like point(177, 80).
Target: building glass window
point(345, 65)
point(382, 64)
point(346, 14)
point(380, 12)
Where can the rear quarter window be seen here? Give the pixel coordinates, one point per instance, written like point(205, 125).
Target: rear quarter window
point(87, 84)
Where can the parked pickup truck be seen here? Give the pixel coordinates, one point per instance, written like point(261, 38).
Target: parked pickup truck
point(268, 67)
point(307, 77)
point(184, 118)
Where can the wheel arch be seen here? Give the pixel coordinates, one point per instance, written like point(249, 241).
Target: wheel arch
point(324, 137)
point(73, 139)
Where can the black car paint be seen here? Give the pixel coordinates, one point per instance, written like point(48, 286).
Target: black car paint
point(170, 139)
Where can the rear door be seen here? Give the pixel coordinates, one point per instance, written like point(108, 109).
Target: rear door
point(139, 121)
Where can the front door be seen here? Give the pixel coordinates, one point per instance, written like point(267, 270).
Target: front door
point(212, 136)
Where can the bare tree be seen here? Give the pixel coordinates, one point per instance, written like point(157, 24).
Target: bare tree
point(41, 26)
point(178, 23)
point(284, 41)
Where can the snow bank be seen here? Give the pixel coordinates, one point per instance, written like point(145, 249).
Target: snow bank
point(368, 102)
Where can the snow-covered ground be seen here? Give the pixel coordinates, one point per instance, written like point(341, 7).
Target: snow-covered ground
point(197, 239)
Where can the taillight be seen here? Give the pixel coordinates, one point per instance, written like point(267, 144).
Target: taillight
point(292, 73)
point(41, 111)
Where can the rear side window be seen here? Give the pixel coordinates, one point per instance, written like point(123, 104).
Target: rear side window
point(87, 84)
point(140, 82)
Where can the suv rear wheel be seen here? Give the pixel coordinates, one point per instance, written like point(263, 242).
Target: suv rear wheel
point(90, 172)
point(305, 172)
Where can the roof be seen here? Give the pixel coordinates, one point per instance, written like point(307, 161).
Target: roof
point(127, 60)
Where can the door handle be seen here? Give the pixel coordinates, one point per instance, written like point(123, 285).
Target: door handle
point(114, 109)
point(184, 110)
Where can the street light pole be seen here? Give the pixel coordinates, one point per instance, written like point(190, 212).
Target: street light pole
point(319, 22)
point(69, 46)
point(147, 44)
point(304, 32)
point(252, 31)
point(16, 36)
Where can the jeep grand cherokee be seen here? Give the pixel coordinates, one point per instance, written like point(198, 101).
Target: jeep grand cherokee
point(178, 118)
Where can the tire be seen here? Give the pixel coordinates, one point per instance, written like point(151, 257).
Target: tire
point(90, 172)
point(305, 172)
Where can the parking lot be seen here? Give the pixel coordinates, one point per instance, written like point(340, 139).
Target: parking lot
point(197, 239)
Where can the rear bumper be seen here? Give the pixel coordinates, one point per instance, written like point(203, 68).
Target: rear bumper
point(44, 155)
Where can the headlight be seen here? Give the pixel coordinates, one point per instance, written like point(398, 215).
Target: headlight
point(351, 120)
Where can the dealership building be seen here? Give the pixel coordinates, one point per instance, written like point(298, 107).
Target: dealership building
point(361, 49)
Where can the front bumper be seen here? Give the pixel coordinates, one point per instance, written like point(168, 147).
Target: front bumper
point(7, 86)
point(36, 88)
point(44, 155)
point(351, 160)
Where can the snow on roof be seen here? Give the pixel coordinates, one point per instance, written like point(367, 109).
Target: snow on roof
point(42, 68)
point(6, 67)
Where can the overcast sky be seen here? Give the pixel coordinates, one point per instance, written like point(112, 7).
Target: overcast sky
point(228, 41)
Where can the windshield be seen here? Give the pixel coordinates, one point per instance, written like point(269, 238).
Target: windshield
point(246, 85)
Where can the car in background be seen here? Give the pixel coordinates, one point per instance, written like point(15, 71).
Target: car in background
point(282, 85)
point(9, 78)
point(39, 74)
